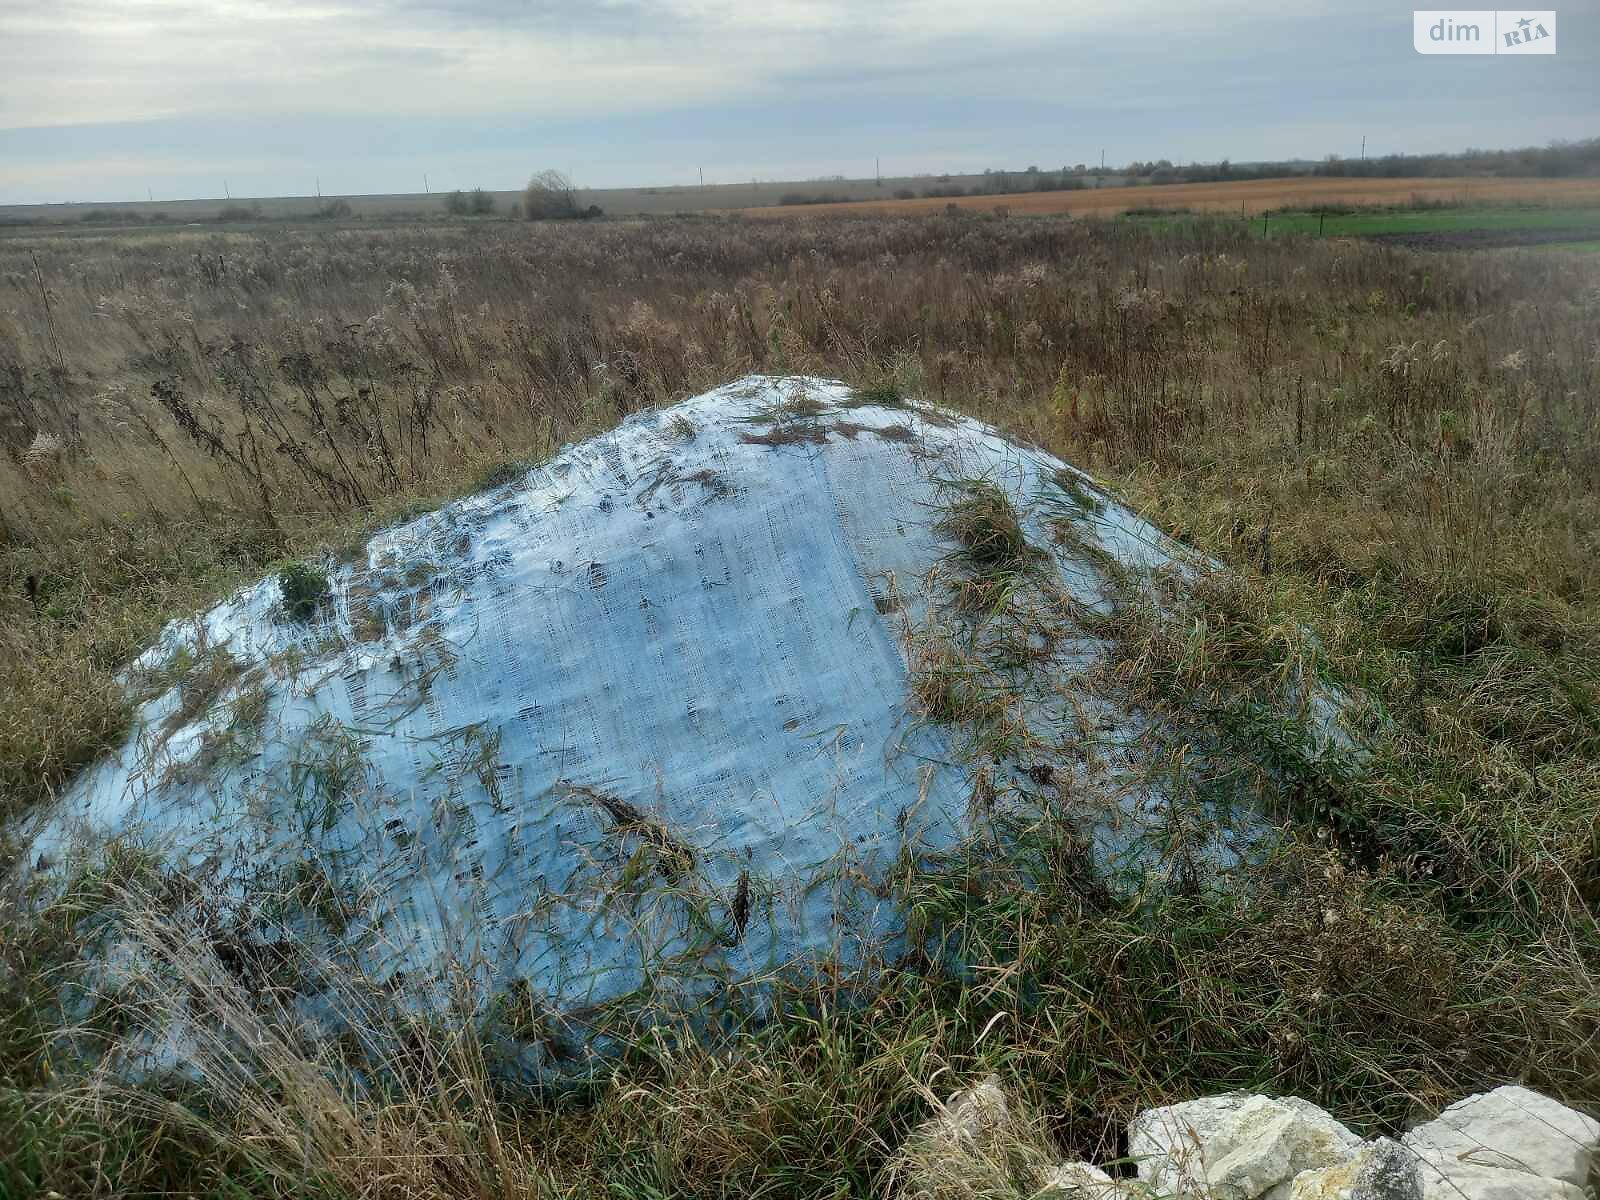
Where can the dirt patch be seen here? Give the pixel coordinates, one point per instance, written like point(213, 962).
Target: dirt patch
point(889, 433)
point(896, 433)
point(797, 434)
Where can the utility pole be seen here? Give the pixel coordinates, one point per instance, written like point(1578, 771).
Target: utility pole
point(1363, 147)
point(227, 195)
point(877, 170)
point(425, 188)
point(702, 179)
point(319, 187)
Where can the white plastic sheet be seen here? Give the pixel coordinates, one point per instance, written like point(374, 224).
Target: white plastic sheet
point(638, 720)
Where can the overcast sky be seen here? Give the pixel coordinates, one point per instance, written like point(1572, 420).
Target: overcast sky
point(118, 99)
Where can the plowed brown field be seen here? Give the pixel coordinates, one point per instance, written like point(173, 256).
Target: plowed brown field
point(1253, 196)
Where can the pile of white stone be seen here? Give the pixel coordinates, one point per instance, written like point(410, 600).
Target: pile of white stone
point(1508, 1144)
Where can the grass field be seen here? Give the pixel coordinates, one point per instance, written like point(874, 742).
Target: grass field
point(620, 202)
point(1105, 197)
point(1579, 222)
point(1252, 197)
point(1446, 220)
point(1395, 456)
point(1420, 226)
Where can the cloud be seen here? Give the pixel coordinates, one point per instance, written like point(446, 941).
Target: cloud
point(97, 60)
point(609, 17)
point(649, 90)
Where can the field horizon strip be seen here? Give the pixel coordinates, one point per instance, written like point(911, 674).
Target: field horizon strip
point(1246, 197)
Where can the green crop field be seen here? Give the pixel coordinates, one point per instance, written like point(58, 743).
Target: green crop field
point(1435, 220)
point(1441, 220)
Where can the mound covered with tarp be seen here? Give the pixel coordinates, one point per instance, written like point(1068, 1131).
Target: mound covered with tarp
point(625, 735)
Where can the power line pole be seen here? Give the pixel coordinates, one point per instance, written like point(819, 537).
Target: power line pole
point(702, 179)
point(1363, 147)
point(425, 188)
point(227, 195)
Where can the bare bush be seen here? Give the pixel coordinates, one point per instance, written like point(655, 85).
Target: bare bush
point(550, 196)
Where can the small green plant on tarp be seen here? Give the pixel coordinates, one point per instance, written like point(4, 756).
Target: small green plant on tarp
point(304, 590)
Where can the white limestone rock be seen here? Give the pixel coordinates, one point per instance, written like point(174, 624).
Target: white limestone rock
point(1451, 1178)
point(1235, 1147)
point(1080, 1181)
point(1381, 1169)
point(1168, 1144)
point(1508, 1144)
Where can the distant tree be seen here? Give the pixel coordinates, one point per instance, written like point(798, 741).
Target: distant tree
point(789, 198)
point(457, 204)
point(114, 216)
point(550, 196)
point(480, 203)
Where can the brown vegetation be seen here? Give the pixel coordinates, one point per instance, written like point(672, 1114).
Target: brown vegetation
point(1398, 458)
point(1254, 196)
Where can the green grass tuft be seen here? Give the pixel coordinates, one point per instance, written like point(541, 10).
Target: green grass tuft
point(305, 590)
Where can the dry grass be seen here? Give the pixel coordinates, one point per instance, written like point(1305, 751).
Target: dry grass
point(976, 1146)
point(1398, 457)
point(982, 519)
